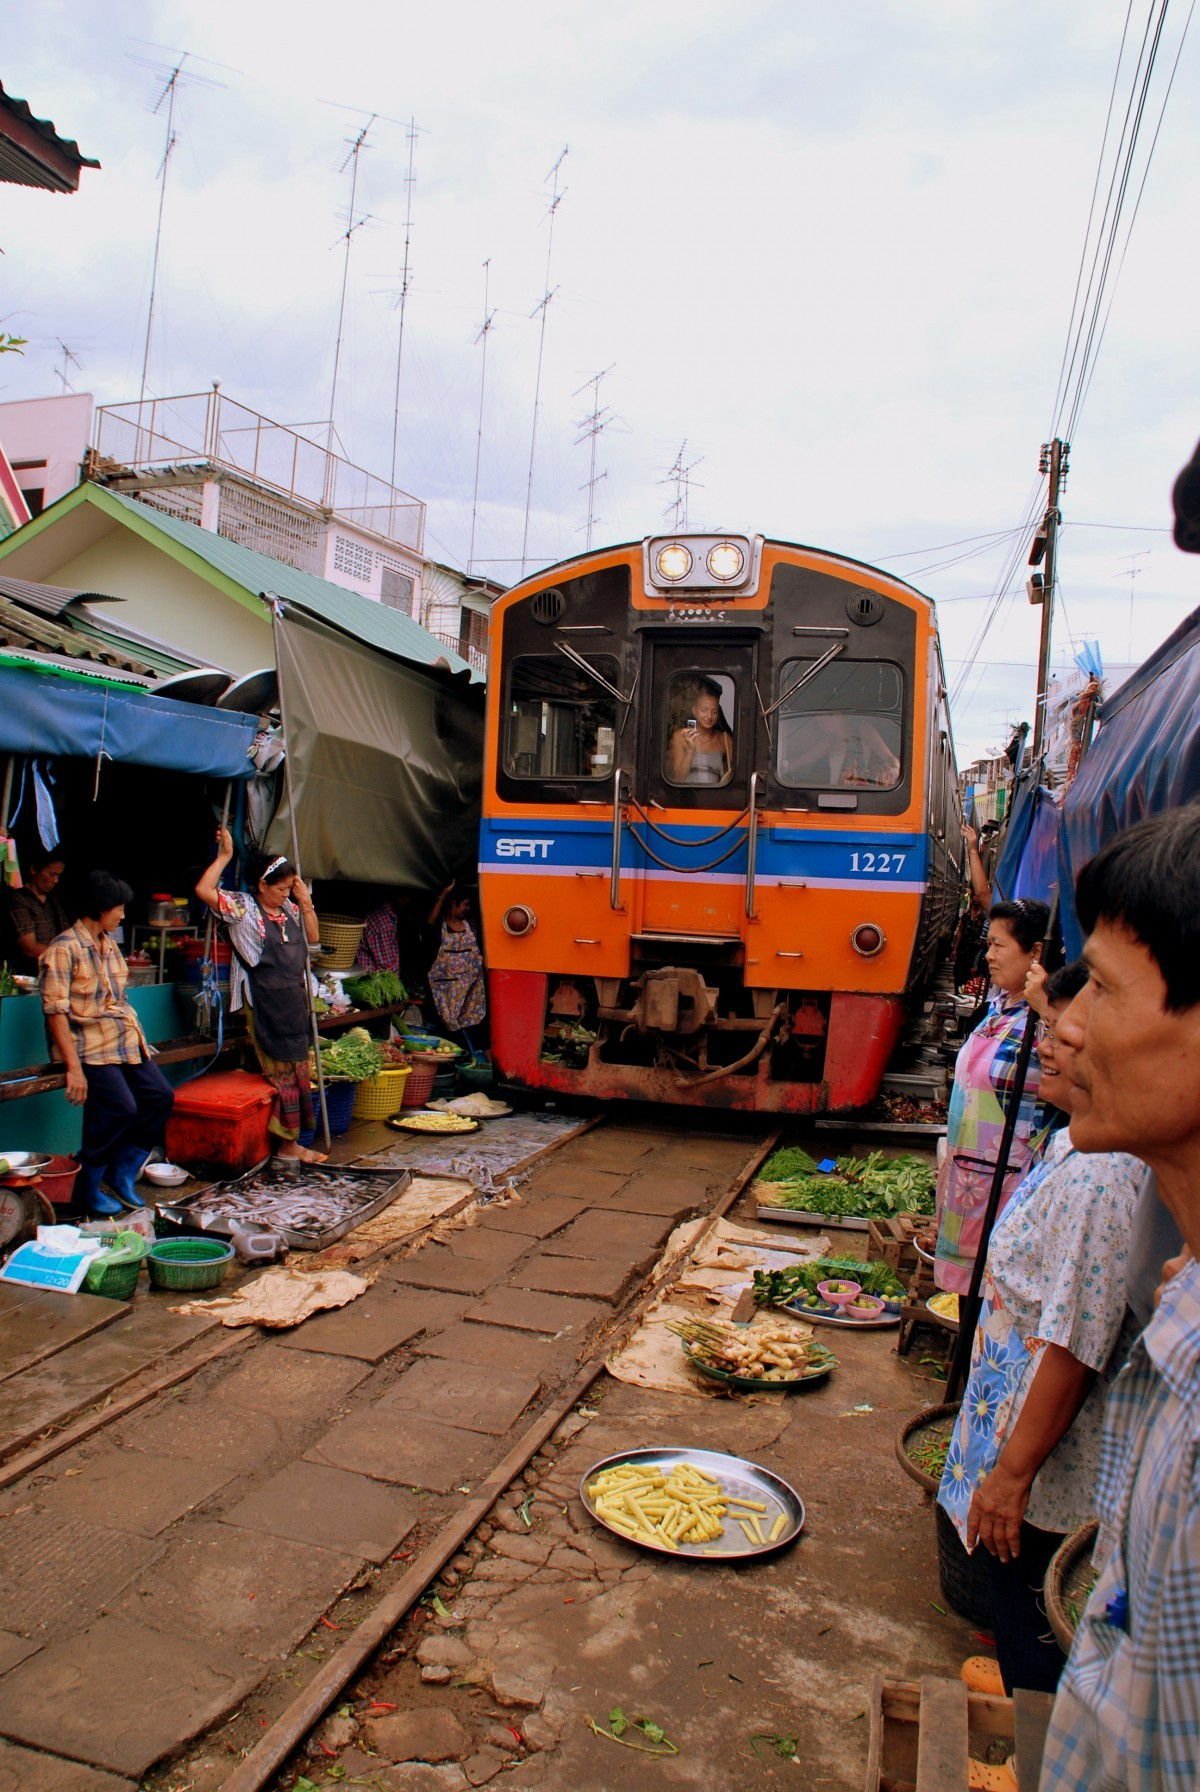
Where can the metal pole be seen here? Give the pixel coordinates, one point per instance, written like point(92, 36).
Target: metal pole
point(1056, 467)
point(276, 606)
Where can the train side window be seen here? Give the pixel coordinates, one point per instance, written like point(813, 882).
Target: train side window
point(700, 716)
point(843, 730)
point(559, 722)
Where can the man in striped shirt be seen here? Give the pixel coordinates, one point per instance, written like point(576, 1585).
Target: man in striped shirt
point(1127, 1715)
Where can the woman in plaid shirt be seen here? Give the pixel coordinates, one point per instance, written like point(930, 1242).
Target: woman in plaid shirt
point(95, 1033)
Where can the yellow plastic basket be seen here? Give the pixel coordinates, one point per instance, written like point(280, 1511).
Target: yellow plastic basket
point(379, 1097)
point(339, 936)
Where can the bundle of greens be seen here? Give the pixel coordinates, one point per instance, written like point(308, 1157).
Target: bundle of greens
point(863, 1187)
point(776, 1287)
point(354, 1056)
point(375, 989)
point(7, 985)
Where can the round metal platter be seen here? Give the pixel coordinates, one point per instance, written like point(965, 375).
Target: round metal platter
point(433, 1125)
point(22, 1166)
point(833, 1316)
point(754, 1384)
point(744, 1480)
point(922, 1252)
point(941, 1317)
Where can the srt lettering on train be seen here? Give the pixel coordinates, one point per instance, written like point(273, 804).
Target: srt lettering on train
point(523, 849)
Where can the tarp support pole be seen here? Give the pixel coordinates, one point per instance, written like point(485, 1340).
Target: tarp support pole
point(275, 608)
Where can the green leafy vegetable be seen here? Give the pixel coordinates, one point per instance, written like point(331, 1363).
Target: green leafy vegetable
point(375, 989)
point(786, 1747)
point(7, 984)
point(354, 1055)
point(868, 1187)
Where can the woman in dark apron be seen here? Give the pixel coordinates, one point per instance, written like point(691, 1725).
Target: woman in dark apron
point(270, 933)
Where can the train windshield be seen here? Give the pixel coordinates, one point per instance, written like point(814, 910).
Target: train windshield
point(560, 721)
point(843, 729)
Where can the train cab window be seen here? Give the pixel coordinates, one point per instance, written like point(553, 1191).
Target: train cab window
point(842, 730)
point(559, 721)
point(699, 722)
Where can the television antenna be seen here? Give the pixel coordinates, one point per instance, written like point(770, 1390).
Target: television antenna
point(681, 477)
point(353, 224)
point(405, 281)
point(591, 428)
point(69, 359)
point(172, 77)
point(539, 311)
point(489, 318)
point(1132, 572)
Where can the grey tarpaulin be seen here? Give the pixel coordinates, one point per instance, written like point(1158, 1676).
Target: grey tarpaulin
point(386, 761)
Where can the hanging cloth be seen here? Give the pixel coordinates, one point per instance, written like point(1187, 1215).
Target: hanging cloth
point(47, 820)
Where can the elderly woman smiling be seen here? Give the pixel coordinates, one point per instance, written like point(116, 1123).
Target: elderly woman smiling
point(1022, 1465)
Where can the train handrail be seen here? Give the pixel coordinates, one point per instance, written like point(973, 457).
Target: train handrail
point(751, 845)
point(614, 887)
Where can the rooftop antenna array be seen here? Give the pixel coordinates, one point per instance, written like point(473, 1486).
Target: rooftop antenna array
point(539, 311)
point(69, 359)
point(591, 428)
point(171, 78)
point(353, 224)
point(489, 318)
point(405, 279)
point(1132, 571)
point(680, 476)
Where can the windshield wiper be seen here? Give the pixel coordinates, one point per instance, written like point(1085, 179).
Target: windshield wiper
point(586, 665)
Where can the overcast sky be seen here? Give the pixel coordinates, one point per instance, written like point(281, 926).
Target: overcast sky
point(832, 249)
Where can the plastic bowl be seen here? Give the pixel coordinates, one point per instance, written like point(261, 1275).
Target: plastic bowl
point(839, 1293)
point(165, 1175)
point(189, 1263)
point(864, 1306)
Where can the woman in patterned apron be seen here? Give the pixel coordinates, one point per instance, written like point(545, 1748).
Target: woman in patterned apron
point(456, 974)
point(270, 933)
point(983, 1093)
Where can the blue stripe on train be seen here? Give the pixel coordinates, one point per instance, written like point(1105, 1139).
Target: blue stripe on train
point(900, 859)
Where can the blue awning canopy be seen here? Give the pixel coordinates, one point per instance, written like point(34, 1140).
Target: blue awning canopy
point(78, 718)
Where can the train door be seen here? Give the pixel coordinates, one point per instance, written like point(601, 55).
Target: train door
point(699, 721)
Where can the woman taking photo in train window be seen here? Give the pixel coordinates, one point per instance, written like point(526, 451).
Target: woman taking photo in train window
point(270, 932)
point(701, 752)
point(983, 1093)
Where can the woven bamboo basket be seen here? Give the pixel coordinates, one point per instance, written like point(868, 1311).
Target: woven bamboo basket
point(930, 1417)
point(379, 1097)
point(1069, 1581)
point(339, 935)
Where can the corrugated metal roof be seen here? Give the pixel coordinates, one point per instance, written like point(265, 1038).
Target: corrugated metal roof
point(86, 670)
point(47, 600)
point(78, 639)
point(363, 617)
point(32, 154)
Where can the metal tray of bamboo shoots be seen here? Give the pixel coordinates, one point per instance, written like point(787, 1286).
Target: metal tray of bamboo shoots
point(309, 1205)
point(740, 1480)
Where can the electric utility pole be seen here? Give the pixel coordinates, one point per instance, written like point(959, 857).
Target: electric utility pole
point(1054, 463)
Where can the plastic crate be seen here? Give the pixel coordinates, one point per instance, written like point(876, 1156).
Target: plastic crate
point(220, 1121)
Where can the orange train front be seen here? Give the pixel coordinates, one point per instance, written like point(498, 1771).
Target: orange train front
point(721, 830)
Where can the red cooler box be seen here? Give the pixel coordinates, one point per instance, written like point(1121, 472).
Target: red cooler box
point(220, 1122)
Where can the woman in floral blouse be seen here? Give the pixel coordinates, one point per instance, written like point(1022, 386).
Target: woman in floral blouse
point(1022, 1465)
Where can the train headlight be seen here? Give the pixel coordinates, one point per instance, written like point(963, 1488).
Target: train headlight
point(673, 562)
point(519, 919)
point(726, 561)
point(868, 939)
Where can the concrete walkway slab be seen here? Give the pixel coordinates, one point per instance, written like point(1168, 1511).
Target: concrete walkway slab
point(488, 1346)
point(239, 1590)
point(436, 1267)
point(535, 1219)
point(583, 1184)
point(13, 1648)
point(128, 1490)
point(582, 1276)
point(405, 1449)
point(465, 1394)
point(600, 1233)
point(32, 1329)
point(662, 1195)
point(485, 1244)
point(21, 1770)
point(525, 1311)
point(271, 1379)
point(325, 1506)
point(203, 1430)
point(113, 1697)
point(59, 1571)
point(369, 1329)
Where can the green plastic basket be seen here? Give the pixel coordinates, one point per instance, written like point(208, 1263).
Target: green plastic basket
point(114, 1273)
point(189, 1263)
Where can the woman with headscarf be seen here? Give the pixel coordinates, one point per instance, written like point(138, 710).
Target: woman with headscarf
point(270, 932)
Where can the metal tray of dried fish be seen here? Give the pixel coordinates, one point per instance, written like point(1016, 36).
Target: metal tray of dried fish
point(310, 1205)
point(746, 1486)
